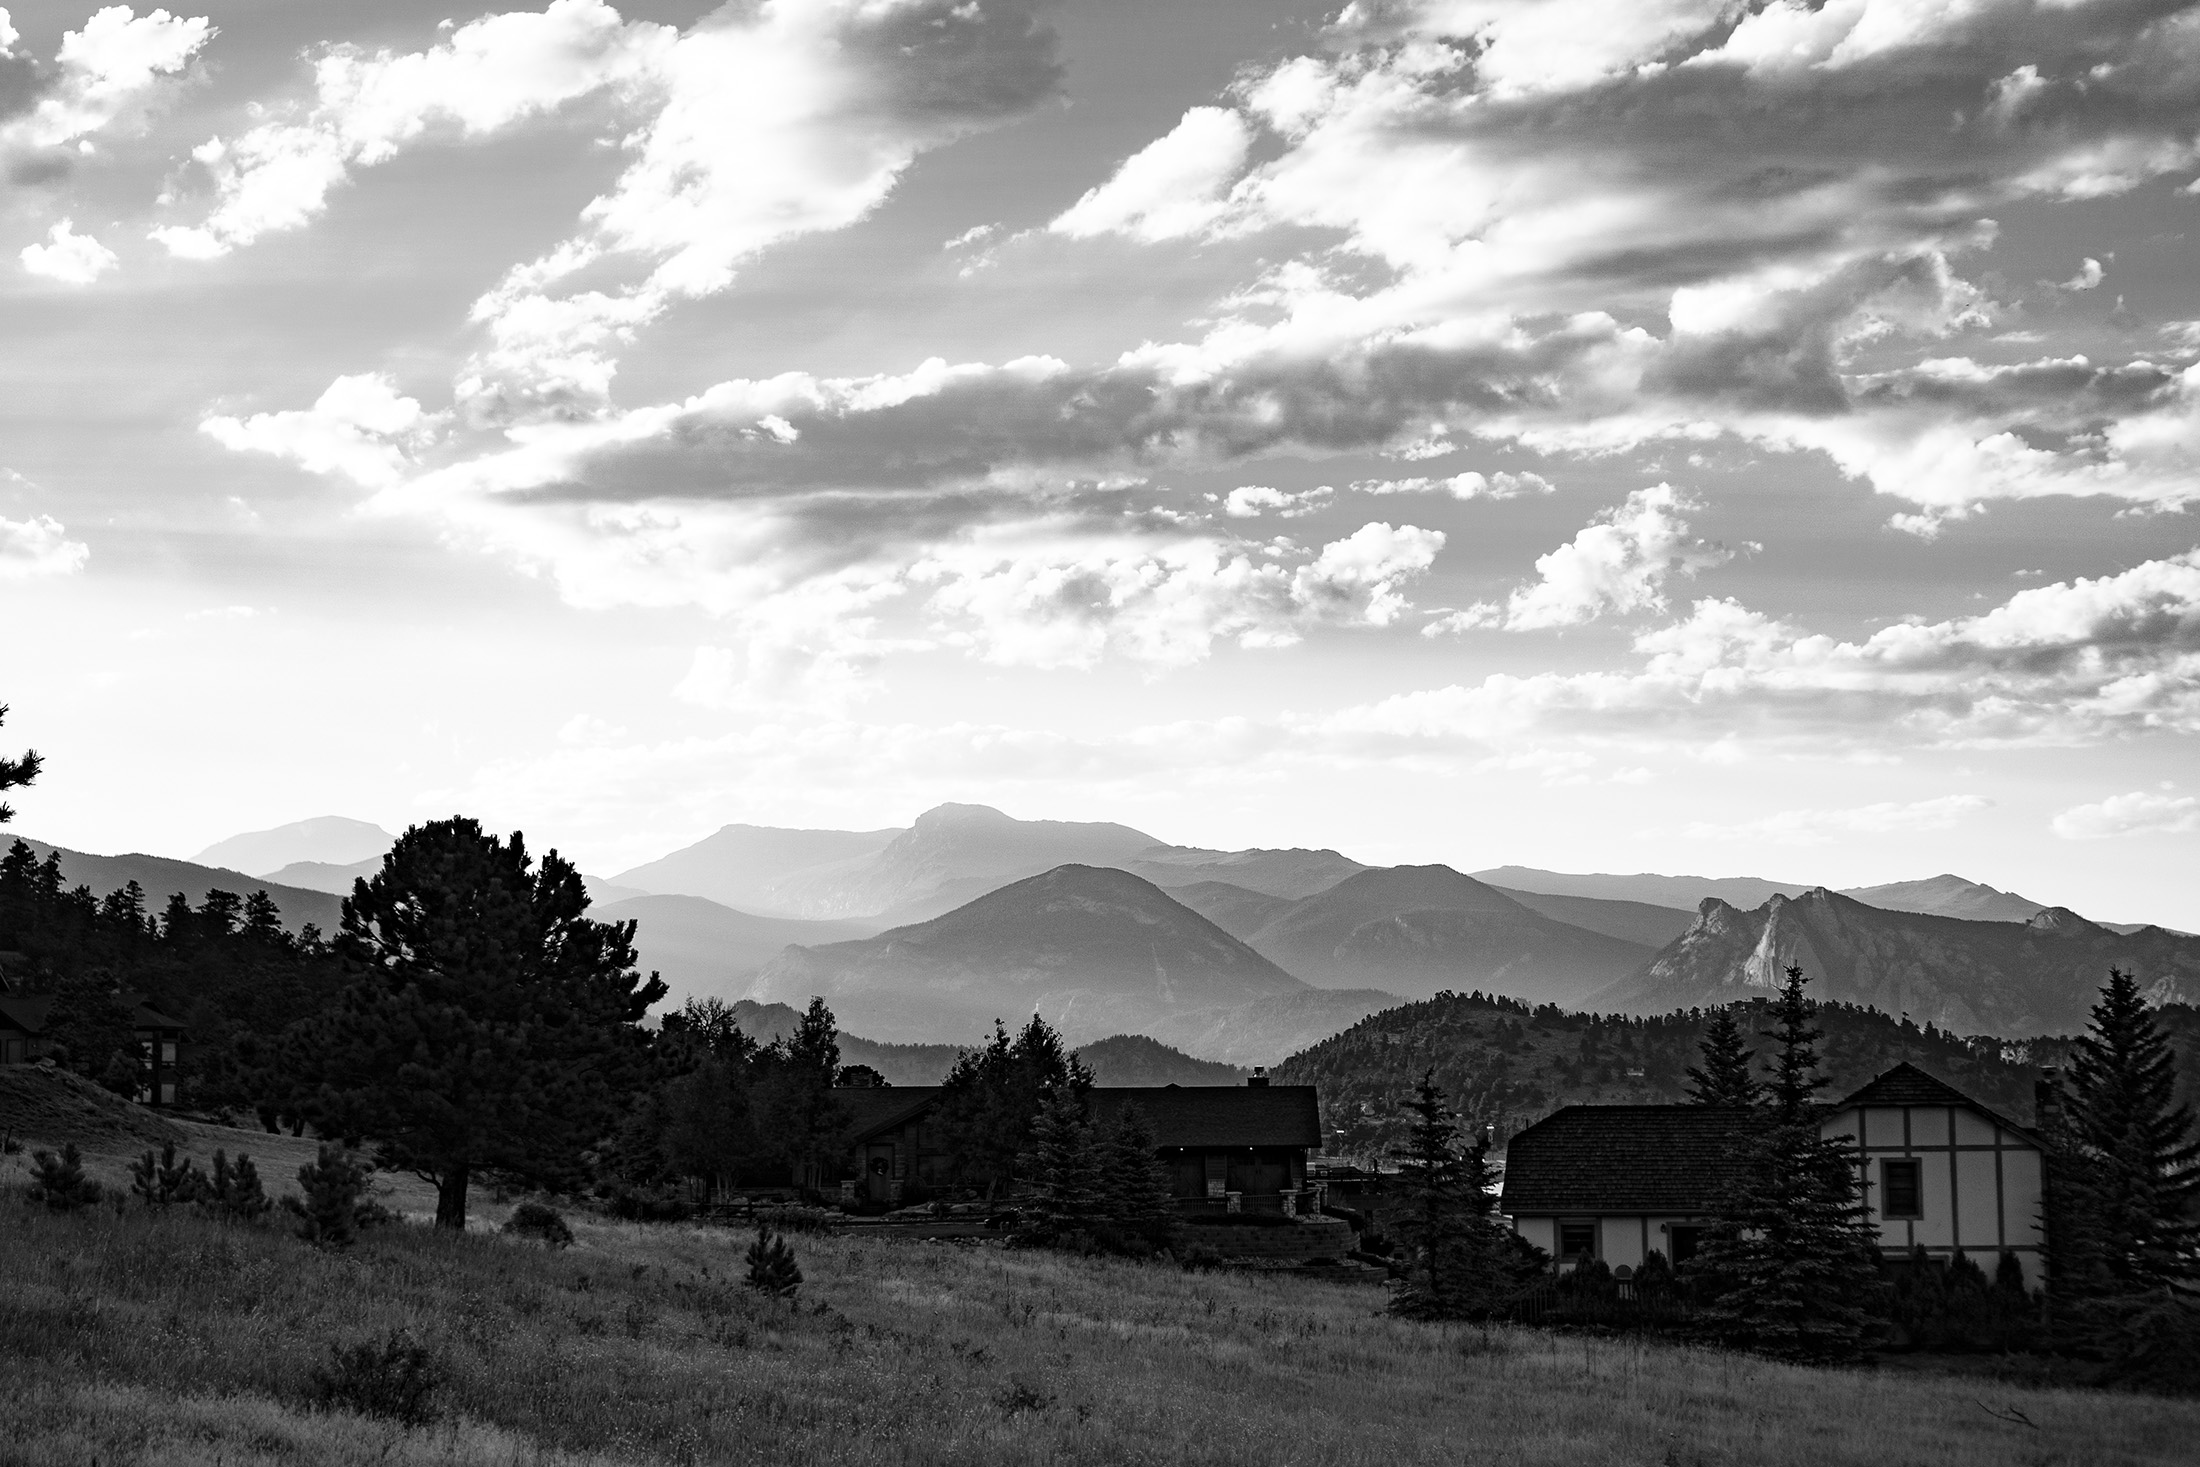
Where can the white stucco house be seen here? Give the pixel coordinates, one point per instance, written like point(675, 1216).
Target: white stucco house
point(1941, 1172)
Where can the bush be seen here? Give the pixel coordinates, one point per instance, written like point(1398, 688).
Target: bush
point(59, 1181)
point(392, 1377)
point(235, 1190)
point(771, 1264)
point(534, 1220)
point(164, 1181)
point(336, 1205)
point(650, 1204)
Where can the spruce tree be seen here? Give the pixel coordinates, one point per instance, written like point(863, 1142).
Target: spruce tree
point(1060, 1170)
point(1793, 1266)
point(1135, 1193)
point(796, 1106)
point(489, 1024)
point(992, 1095)
point(1459, 1263)
point(772, 1268)
point(2142, 1164)
point(1724, 1078)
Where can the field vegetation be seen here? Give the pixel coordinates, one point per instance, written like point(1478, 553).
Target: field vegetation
point(144, 1336)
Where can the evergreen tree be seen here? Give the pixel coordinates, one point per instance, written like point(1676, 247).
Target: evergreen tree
point(489, 1023)
point(1060, 1171)
point(796, 1106)
point(772, 1268)
point(1135, 1194)
point(2142, 1192)
point(1724, 1078)
point(234, 1188)
point(164, 1180)
point(59, 1181)
point(335, 1201)
point(1793, 1266)
point(1459, 1260)
point(992, 1095)
point(16, 773)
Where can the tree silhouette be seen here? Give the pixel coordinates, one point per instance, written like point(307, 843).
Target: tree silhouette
point(16, 773)
point(1793, 1266)
point(1459, 1261)
point(992, 1096)
point(2143, 1168)
point(1724, 1078)
point(488, 1025)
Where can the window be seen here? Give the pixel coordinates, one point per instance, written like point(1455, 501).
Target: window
point(1577, 1240)
point(1900, 1193)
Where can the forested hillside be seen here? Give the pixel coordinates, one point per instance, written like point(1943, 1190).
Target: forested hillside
point(1508, 1065)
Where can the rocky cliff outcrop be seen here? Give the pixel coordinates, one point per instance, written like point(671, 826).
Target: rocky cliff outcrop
point(2003, 978)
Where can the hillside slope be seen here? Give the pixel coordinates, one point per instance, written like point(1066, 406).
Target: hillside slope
point(1095, 950)
point(2002, 978)
point(705, 950)
point(1293, 873)
point(161, 877)
point(1682, 892)
point(1417, 930)
point(1948, 895)
point(1646, 923)
point(326, 839)
point(737, 865)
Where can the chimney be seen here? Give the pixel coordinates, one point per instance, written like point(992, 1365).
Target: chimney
point(1259, 1078)
point(2047, 1099)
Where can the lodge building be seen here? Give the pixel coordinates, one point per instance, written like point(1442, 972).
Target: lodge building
point(1940, 1173)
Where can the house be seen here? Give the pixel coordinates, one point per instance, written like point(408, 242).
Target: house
point(1940, 1172)
point(23, 1040)
point(1227, 1148)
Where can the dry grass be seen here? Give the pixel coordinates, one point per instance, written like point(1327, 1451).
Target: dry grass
point(182, 1341)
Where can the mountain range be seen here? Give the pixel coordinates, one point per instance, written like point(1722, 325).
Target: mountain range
point(162, 877)
point(2002, 978)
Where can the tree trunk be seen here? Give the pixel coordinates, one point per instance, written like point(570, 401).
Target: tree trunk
point(450, 1198)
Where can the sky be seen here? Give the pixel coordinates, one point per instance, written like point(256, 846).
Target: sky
point(1604, 435)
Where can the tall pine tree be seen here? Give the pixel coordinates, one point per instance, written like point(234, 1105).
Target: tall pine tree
point(1793, 1267)
point(2141, 1162)
point(992, 1096)
point(1724, 1078)
point(1459, 1259)
point(1134, 1187)
point(489, 1024)
point(1060, 1170)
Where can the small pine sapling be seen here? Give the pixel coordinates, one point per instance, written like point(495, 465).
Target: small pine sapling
point(771, 1263)
point(535, 1220)
point(235, 1189)
point(165, 1180)
point(59, 1181)
point(335, 1190)
point(392, 1377)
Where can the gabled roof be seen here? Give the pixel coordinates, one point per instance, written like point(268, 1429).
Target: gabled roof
point(1589, 1159)
point(29, 1013)
point(1181, 1115)
point(1906, 1084)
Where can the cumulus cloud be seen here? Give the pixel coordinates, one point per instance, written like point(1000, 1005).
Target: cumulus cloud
point(361, 428)
point(69, 257)
point(1808, 827)
point(1250, 501)
point(1619, 563)
point(2067, 664)
point(2142, 812)
point(1469, 485)
point(104, 74)
point(39, 546)
point(369, 106)
point(1172, 187)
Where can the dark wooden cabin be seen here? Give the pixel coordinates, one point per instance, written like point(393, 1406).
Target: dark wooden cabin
point(1228, 1148)
point(23, 1040)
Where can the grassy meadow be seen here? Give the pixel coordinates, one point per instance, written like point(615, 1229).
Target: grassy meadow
point(140, 1337)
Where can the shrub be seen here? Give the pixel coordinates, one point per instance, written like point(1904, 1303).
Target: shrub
point(534, 1220)
point(391, 1377)
point(163, 1181)
point(235, 1189)
point(336, 1204)
point(771, 1264)
point(59, 1181)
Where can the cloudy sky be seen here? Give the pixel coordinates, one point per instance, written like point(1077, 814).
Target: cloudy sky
point(1727, 436)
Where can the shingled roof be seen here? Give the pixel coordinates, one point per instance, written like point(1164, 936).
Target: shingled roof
point(1625, 1158)
point(1182, 1115)
point(1906, 1084)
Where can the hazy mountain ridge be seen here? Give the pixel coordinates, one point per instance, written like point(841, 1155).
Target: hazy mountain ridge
point(704, 949)
point(331, 840)
point(163, 876)
point(1645, 923)
point(1096, 950)
point(2000, 978)
point(1948, 895)
point(1680, 892)
point(1418, 930)
point(737, 865)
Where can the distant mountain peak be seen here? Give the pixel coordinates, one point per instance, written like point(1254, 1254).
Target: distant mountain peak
point(334, 840)
point(1947, 895)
